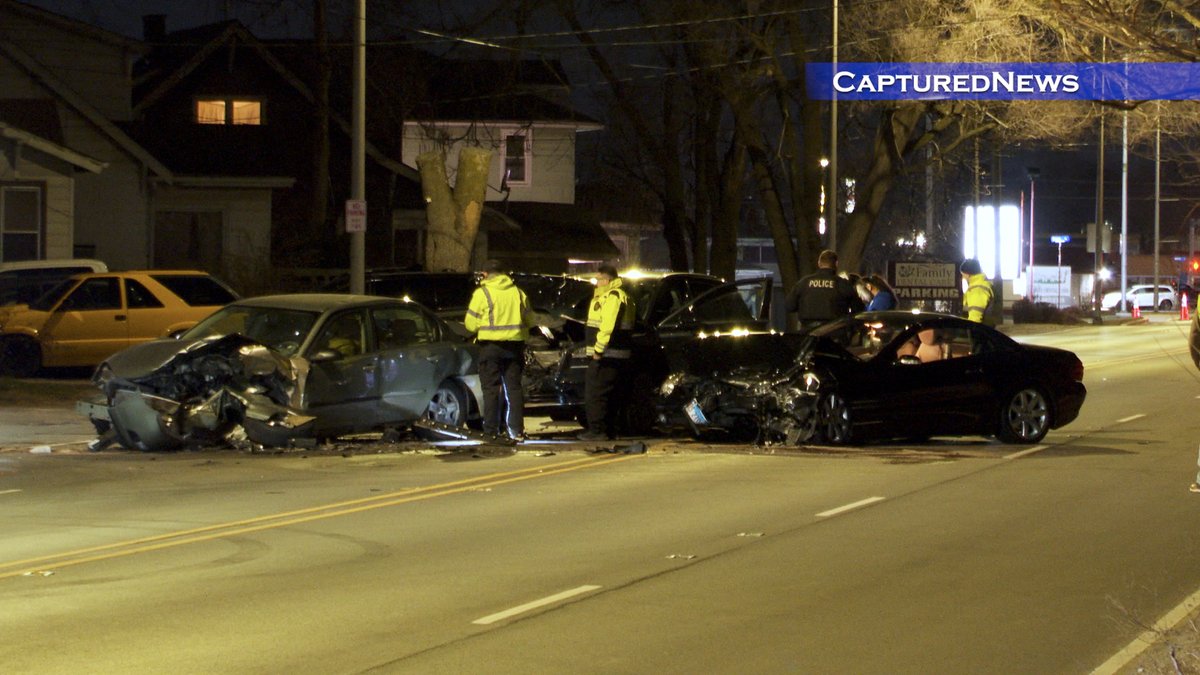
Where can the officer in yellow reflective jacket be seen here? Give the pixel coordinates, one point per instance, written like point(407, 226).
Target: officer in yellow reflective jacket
point(499, 316)
point(609, 341)
point(979, 290)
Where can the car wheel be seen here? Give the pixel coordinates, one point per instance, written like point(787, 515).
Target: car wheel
point(1024, 417)
point(449, 405)
point(1165, 305)
point(20, 356)
point(834, 419)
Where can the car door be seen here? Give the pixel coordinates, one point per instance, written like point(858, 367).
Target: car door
point(342, 386)
point(942, 396)
point(88, 325)
point(146, 320)
point(414, 358)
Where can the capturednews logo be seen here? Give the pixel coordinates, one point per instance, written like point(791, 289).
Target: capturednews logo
point(1004, 81)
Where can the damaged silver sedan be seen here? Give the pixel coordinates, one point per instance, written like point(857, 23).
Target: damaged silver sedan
point(274, 369)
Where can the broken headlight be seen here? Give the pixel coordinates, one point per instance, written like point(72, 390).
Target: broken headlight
point(674, 380)
point(810, 381)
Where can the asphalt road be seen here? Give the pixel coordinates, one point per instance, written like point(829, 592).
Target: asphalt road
point(960, 555)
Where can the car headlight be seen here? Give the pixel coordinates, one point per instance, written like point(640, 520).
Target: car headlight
point(811, 382)
point(102, 376)
point(670, 383)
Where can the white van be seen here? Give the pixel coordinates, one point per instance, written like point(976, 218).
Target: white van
point(24, 281)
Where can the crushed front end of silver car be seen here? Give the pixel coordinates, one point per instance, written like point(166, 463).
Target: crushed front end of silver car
point(169, 395)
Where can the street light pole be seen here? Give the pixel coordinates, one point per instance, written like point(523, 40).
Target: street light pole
point(1157, 192)
point(1033, 173)
point(833, 142)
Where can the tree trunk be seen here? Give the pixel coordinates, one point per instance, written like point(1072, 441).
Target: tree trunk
point(453, 216)
point(891, 141)
point(318, 217)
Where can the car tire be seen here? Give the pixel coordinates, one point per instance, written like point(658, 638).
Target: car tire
point(835, 424)
point(1166, 305)
point(20, 356)
point(1024, 416)
point(449, 405)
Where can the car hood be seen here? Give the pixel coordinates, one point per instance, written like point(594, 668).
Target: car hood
point(147, 357)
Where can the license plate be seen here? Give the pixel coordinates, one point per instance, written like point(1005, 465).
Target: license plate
point(695, 414)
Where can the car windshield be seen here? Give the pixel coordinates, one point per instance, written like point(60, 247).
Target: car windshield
point(862, 338)
point(51, 297)
point(280, 329)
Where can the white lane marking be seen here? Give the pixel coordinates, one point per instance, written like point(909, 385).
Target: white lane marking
point(1131, 418)
point(1030, 451)
point(548, 600)
point(1148, 637)
point(850, 507)
point(8, 492)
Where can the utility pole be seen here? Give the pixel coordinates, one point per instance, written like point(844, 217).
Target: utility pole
point(358, 239)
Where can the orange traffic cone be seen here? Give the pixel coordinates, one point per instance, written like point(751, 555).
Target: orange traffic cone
point(1183, 307)
point(1137, 312)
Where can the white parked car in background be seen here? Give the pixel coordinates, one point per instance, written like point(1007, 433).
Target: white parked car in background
point(1142, 296)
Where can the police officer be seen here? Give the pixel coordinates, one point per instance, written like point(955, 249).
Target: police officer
point(609, 341)
point(499, 315)
point(823, 295)
point(979, 290)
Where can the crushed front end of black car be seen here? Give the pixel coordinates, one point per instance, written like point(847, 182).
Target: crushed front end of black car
point(770, 403)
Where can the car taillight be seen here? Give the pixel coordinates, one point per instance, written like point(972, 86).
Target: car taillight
point(1077, 370)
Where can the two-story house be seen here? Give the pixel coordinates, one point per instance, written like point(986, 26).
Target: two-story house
point(519, 110)
point(197, 148)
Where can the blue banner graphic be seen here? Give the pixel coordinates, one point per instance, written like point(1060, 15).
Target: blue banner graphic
point(1004, 81)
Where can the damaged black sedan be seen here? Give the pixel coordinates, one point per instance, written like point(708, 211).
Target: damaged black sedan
point(272, 369)
point(882, 375)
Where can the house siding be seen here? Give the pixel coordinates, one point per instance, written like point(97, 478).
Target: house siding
point(112, 218)
point(245, 231)
point(53, 177)
point(552, 170)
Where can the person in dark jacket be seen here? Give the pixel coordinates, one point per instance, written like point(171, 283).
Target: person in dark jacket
point(823, 295)
point(882, 295)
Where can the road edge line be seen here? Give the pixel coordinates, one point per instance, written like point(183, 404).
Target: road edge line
point(1149, 636)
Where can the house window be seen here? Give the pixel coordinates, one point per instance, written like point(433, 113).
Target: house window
point(516, 158)
point(229, 111)
point(21, 226)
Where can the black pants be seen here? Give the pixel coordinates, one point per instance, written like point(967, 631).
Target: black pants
point(603, 386)
point(500, 368)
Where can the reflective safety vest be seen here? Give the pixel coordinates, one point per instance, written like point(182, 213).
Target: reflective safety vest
point(610, 322)
point(499, 311)
point(978, 297)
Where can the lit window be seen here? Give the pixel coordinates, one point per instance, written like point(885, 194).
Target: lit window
point(516, 159)
point(210, 112)
point(247, 112)
point(229, 111)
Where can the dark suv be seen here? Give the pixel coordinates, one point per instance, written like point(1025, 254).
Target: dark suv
point(557, 360)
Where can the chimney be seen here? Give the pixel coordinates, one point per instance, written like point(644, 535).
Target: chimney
point(154, 27)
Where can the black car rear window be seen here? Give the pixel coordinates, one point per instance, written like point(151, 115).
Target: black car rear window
point(437, 292)
point(196, 290)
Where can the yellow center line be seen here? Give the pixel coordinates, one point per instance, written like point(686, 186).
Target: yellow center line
point(238, 527)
